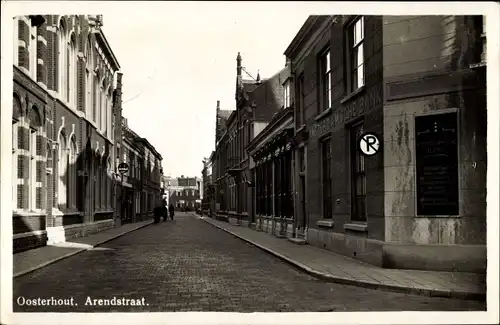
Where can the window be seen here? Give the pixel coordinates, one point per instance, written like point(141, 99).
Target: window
point(72, 174)
point(103, 106)
point(33, 50)
point(286, 100)
point(95, 99)
point(104, 184)
point(62, 58)
point(326, 82)
point(326, 155)
point(16, 41)
point(89, 86)
point(358, 183)
point(62, 193)
point(15, 179)
point(109, 182)
point(356, 54)
point(302, 160)
point(72, 72)
point(97, 182)
point(301, 109)
point(278, 186)
point(33, 184)
point(483, 38)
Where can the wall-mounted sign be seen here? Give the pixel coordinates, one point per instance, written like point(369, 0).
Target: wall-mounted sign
point(348, 111)
point(369, 144)
point(437, 164)
point(123, 168)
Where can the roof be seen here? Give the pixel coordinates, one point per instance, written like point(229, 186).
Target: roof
point(225, 113)
point(312, 22)
point(249, 87)
point(130, 136)
point(104, 42)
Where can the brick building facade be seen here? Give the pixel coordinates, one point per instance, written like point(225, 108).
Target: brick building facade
point(401, 77)
point(207, 191)
point(257, 102)
point(62, 128)
point(271, 162)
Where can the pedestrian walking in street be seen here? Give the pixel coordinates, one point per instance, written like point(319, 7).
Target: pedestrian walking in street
point(164, 210)
point(157, 212)
point(171, 211)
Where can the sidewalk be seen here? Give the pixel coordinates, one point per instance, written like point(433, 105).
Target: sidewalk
point(34, 259)
point(341, 269)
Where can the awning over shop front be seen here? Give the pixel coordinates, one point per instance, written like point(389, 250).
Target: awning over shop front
point(277, 145)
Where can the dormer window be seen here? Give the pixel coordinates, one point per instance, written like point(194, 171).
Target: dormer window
point(286, 98)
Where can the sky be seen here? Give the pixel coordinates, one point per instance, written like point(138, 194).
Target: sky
point(178, 60)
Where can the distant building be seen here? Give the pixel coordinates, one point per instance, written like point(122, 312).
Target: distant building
point(207, 190)
point(182, 191)
point(142, 187)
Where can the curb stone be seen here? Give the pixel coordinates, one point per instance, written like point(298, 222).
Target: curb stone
point(80, 250)
point(360, 283)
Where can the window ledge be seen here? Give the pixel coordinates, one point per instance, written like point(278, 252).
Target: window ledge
point(325, 223)
point(351, 95)
point(478, 65)
point(104, 211)
point(302, 128)
point(323, 114)
point(72, 213)
point(360, 227)
point(28, 214)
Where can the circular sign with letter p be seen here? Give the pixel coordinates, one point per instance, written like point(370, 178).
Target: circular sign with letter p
point(369, 144)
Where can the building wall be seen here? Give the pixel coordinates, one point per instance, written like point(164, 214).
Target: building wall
point(151, 178)
point(53, 89)
point(348, 109)
point(441, 50)
point(413, 66)
point(184, 196)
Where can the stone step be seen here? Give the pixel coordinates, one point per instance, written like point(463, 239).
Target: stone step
point(298, 241)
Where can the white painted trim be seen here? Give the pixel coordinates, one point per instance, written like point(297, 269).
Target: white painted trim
point(42, 39)
point(29, 234)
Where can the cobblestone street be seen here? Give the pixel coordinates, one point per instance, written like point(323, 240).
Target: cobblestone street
point(189, 265)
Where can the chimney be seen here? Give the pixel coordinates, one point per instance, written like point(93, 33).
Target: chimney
point(218, 107)
point(238, 65)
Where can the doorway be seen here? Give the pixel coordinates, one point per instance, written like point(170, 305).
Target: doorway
point(303, 200)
